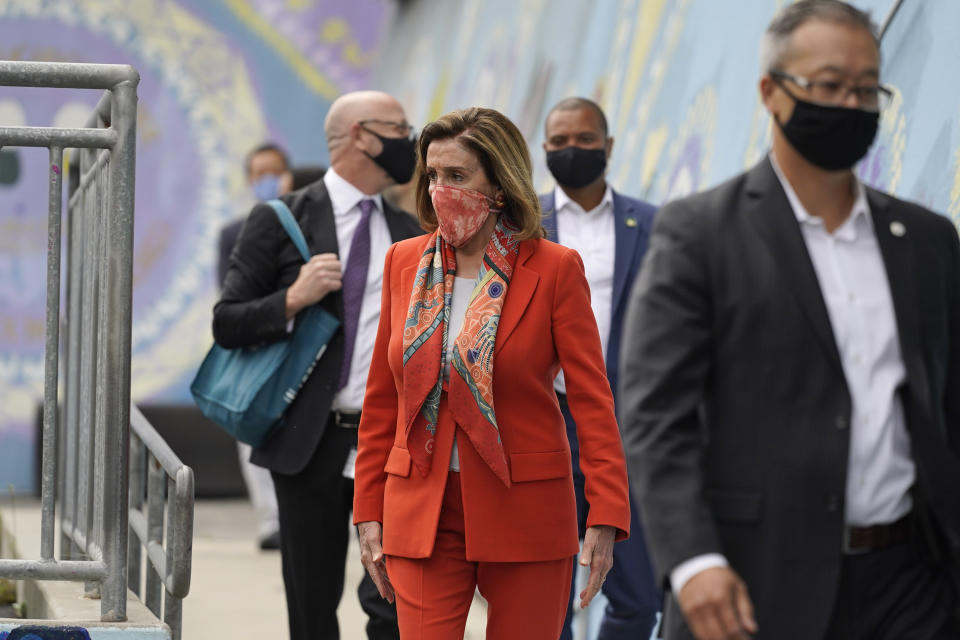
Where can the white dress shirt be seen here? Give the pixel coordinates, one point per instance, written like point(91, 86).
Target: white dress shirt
point(591, 234)
point(855, 289)
point(345, 199)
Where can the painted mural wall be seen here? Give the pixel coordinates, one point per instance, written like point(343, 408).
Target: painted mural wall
point(678, 80)
point(218, 77)
point(676, 77)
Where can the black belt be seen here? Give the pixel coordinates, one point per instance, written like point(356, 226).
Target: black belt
point(345, 419)
point(876, 537)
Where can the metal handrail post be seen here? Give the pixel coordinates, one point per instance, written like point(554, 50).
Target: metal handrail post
point(135, 499)
point(48, 472)
point(88, 364)
point(117, 329)
point(72, 369)
point(156, 484)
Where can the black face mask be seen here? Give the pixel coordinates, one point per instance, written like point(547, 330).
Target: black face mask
point(832, 138)
point(575, 167)
point(398, 157)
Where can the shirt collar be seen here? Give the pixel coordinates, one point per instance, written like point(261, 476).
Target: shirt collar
point(859, 215)
point(344, 196)
point(562, 200)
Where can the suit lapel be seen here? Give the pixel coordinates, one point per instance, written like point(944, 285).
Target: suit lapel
point(400, 228)
point(899, 258)
point(322, 234)
point(625, 236)
point(322, 228)
point(548, 206)
point(519, 292)
point(767, 206)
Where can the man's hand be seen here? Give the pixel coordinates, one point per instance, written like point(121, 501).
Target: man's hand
point(371, 555)
point(716, 605)
point(316, 279)
point(598, 555)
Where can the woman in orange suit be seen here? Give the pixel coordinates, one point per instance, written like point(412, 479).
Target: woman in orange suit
point(463, 475)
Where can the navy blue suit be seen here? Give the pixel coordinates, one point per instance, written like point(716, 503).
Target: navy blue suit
point(630, 587)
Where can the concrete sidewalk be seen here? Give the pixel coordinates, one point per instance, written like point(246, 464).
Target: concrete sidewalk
point(236, 590)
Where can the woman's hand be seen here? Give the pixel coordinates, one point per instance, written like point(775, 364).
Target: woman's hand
point(597, 554)
point(371, 554)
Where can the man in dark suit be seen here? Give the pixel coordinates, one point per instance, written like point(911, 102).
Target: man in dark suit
point(610, 232)
point(311, 453)
point(791, 381)
point(267, 169)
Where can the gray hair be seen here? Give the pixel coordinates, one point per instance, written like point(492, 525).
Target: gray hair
point(776, 40)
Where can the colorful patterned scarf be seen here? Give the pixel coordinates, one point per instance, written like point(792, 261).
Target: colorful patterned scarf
point(470, 392)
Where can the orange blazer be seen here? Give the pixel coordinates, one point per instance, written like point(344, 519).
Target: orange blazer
point(546, 323)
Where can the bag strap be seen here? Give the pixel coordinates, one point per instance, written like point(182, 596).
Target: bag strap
point(291, 227)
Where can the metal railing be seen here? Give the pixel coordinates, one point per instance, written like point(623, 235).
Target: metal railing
point(89, 446)
point(153, 464)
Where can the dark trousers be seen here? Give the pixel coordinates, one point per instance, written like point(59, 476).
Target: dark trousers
point(633, 599)
point(314, 510)
point(892, 594)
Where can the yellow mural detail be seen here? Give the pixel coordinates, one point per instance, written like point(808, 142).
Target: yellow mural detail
point(652, 151)
point(439, 97)
point(299, 5)
point(893, 128)
point(300, 65)
point(699, 127)
point(334, 30)
point(645, 31)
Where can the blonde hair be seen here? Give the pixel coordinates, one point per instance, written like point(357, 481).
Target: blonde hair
point(502, 152)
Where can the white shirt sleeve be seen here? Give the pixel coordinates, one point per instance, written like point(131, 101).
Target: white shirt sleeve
point(682, 573)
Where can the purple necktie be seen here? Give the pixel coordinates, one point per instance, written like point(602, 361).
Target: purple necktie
point(354, 282)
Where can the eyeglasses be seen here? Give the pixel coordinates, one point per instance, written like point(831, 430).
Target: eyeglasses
point(402, 129)
point(872, 97)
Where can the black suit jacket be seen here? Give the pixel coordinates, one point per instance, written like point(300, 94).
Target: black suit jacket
point(735, 408)
point(228, 240)
point(252, 310)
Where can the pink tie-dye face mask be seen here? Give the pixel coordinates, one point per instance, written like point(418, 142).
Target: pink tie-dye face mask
point(460, 212)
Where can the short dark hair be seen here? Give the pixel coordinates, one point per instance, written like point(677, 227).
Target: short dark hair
point(575, 103)
point(789, 19)
point(263, 148)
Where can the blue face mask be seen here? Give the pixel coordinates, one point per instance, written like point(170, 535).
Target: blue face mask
point(267, 187)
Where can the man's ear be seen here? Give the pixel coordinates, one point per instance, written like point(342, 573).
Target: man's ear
point(286, 182)
point(766, 87)
point(609, 147)
point(359, 138)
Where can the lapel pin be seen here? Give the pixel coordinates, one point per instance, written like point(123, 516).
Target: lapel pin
point(897, 229)
point(631, 222)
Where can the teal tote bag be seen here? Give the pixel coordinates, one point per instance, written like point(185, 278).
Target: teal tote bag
point(247, 390)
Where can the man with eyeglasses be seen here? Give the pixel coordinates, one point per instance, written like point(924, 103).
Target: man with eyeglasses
point(791, 385)
point(348, 227)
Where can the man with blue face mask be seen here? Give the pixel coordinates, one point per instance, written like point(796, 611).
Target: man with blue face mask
point(267, 168)
point(268, 172)
point(791, 386)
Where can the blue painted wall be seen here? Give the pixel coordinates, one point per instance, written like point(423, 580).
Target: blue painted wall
point(678, 80)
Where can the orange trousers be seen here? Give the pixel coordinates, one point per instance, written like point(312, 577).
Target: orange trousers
point(525, 600)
